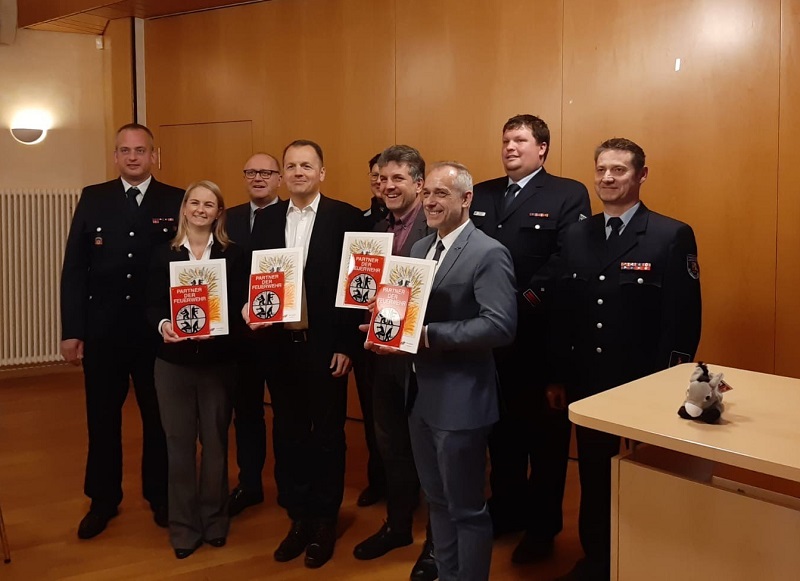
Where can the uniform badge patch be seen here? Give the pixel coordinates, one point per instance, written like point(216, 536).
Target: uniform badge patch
point(635, 266)
point(693, 266)
point(539, 214)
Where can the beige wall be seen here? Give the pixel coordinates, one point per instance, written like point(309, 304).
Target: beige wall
point(63, 74)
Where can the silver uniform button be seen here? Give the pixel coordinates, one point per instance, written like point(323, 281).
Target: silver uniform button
point(599, 301)
point(128, 297)
point(129, 275)
point(132, 234)
point(640, 280)
point(537, 227)
point(599, 325)
point(599, 349)
point(99, 229)
point(499, 225)
point(602, 277)
point(165, 230)
point(574, 275)
point(130, 254)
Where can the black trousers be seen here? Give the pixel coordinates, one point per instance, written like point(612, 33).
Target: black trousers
point(309, 407)
point(109, 363)
point(528, 434)
point(252, 370)
point(364, 373)
point(394, 442)
point(595, 451)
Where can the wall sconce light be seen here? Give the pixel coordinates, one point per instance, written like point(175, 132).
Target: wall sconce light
point(28, 136)
point(30, 127)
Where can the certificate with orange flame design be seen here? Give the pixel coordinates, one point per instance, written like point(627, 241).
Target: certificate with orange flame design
point(210, 273)
point(417, 274)
point(361, 270)
point(276, 285)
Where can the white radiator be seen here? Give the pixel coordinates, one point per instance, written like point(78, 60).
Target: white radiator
point(33, 232)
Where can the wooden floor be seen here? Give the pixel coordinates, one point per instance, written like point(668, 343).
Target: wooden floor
point(42, 454)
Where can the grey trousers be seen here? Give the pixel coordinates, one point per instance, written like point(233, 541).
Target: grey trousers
point(195, 402)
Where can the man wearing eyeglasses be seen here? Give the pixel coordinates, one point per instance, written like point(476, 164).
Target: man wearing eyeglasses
point(114, 229)
point(363, 368)
point(262, 178)
point(377, 210)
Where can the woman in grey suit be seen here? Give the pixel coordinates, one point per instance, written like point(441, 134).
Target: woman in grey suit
point(194, 377)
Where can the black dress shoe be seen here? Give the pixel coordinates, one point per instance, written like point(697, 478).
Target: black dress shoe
point(241, 498)
point(218, 542)
point(320, 546)
point(160, 515)
point(587, 570)
point(294, 543)
point(370, 495)
point(532, 550)
point(381, 543)
point(183, 553)
point(95, 522)
point(425, 568)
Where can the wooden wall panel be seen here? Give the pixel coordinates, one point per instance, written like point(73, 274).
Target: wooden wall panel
point(358, 75)
point(207, 151)
point(331, 79)
point(465, 67)
point(787, 331)
point(710, 134)
point(297, 68)
point(118, 73)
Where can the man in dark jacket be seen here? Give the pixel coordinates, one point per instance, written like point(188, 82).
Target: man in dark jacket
point(114, 229)
point(262, 177)
point(627, 304)
point(528, 210)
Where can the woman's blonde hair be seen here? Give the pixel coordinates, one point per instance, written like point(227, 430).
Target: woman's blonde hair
point(220, 234)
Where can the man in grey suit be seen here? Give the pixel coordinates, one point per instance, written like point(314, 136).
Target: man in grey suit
point(452, 394)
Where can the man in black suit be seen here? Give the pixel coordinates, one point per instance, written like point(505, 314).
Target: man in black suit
point(628, 303)
point(528, 210)
point(262, 177)
point(114, 229)
point(310, 360)
point(402, 175)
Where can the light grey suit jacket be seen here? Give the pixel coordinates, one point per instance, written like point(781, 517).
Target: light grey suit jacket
point(472, 310)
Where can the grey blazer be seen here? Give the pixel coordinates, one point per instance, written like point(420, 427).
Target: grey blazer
point(472, 309)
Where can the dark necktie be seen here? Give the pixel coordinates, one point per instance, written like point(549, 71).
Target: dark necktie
point(615, 223)
point(256, 212)
point(132, 203)
point(438, 252)
point(511, 194)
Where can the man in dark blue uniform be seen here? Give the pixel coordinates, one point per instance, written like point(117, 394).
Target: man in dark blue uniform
point(627, 304)
point(528, 210)
point(114, 229)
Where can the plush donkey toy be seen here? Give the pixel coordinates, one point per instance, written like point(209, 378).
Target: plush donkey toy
point(703, 398)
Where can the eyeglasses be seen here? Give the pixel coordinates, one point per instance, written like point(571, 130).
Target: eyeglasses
point(265, 174)
point(374, 176)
